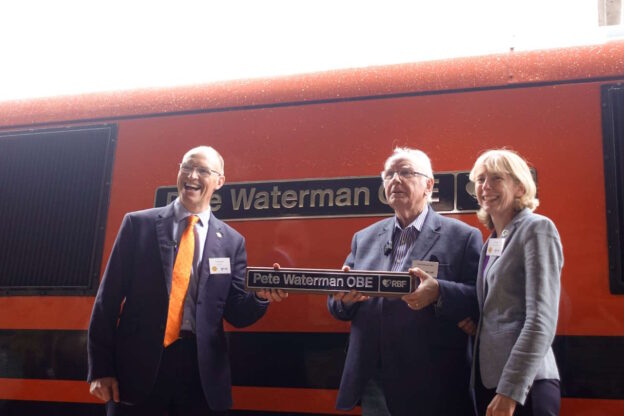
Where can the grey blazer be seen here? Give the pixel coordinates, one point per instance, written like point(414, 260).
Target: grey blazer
point(518, 294)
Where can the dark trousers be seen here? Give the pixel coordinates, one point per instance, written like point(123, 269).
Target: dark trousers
point(177, 390)
point(373, 400)
point(544, 398)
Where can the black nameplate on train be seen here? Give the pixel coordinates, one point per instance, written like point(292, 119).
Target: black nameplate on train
point(358, 196)
point(324, 281)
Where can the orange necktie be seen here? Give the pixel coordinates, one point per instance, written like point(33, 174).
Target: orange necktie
point(180, 281)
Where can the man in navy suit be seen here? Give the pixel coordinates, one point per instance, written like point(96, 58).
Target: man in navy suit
point(410, 356)
point(129, 366)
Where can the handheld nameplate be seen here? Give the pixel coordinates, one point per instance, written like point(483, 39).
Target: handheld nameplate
point(325, 281)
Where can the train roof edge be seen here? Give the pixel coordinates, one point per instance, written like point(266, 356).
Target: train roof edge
point(581, 63)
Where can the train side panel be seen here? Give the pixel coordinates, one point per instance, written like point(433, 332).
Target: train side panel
point(291, 360)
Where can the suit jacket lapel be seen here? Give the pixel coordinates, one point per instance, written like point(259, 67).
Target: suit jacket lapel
point(481, 276)
point(385, 236)
point(212, 248)
point(166, 242)
point(428, 236)
point(507, 234)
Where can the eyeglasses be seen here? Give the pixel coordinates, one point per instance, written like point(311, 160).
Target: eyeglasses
point(388, 175)
point(201, 171)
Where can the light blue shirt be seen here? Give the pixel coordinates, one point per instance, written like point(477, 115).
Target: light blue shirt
point(201, 231)
point(403, 240)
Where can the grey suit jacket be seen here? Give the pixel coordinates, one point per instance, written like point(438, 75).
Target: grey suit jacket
point(518, 294)
point(425, 365)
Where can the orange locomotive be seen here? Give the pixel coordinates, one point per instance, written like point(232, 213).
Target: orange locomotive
point(303, 155)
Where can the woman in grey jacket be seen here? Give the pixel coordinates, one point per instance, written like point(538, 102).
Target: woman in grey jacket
point(518, 285)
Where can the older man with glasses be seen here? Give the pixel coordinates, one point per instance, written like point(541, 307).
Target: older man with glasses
point(156, 344)
point(411, 356)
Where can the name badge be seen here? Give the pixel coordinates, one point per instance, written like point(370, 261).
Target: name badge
point(219, 265)
point(429, 267)
point(495, 246)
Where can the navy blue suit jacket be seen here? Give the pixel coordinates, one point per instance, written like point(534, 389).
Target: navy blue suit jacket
point(128, 344)
point(423, 355)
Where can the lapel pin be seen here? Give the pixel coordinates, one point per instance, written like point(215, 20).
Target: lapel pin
point(504, 233)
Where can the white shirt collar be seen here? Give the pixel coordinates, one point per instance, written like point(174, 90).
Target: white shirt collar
point(417, 223)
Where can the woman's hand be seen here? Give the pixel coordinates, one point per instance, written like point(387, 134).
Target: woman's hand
point(501, 406)
point(468, 326)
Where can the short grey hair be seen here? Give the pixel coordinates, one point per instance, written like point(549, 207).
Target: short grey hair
point(209, 152)
point(417, 158)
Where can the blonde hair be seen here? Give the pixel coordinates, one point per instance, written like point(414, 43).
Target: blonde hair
point(507, 161)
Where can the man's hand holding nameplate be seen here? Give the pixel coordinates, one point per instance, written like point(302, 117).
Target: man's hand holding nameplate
point(325, 281)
